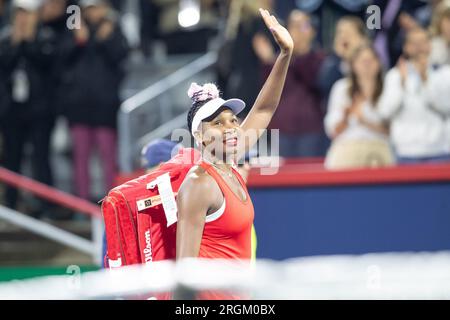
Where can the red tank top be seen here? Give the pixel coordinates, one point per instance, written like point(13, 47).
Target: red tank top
point(227, 232)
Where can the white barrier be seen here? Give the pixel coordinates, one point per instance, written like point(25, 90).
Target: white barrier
point(371, 276)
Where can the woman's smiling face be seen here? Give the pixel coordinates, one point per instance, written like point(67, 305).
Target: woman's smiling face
point(220, 134)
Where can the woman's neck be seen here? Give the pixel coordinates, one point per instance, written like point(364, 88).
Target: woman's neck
point(227, 163)
point(367, 87)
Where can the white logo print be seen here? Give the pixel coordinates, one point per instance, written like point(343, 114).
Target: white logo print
point(148, 247)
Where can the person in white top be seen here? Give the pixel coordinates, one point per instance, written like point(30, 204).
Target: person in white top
point(359, 134)
point(414, 101)
point(440, 29)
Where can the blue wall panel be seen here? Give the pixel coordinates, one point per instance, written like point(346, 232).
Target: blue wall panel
point(305, 221)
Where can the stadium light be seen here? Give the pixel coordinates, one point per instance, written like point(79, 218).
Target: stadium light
point(189, 13)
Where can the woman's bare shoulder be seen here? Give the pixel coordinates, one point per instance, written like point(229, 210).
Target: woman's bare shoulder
point(199, 182)
point(197, 174)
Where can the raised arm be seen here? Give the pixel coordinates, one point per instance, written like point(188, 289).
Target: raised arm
point(269, 96)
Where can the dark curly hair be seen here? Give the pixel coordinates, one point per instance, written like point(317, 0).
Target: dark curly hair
point(193, 110)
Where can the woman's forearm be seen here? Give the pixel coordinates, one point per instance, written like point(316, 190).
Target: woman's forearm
point(340, 127)
point(380, 128)
point(267, 101)
point(270, 94)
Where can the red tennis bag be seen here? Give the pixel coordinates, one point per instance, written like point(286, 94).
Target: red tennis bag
point(140, 215)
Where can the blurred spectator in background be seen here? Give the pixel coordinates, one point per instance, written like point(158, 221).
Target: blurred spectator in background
point(299, 116)
point(26, 55)
point(53, 23)
point(89, 92)
point(398, 18)
point(329, 13)
point(350, 34)
point(360, 136)
point(412, 101)
point(423, 11)
point(157, 152)
point(239, 66)
point(440, 29)
point(180, 29)
point(405, 23)
point(53, 18)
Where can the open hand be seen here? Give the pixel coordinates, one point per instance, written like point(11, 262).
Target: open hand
point(280, 34)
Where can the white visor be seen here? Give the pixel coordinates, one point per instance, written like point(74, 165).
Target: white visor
point(209, 108)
